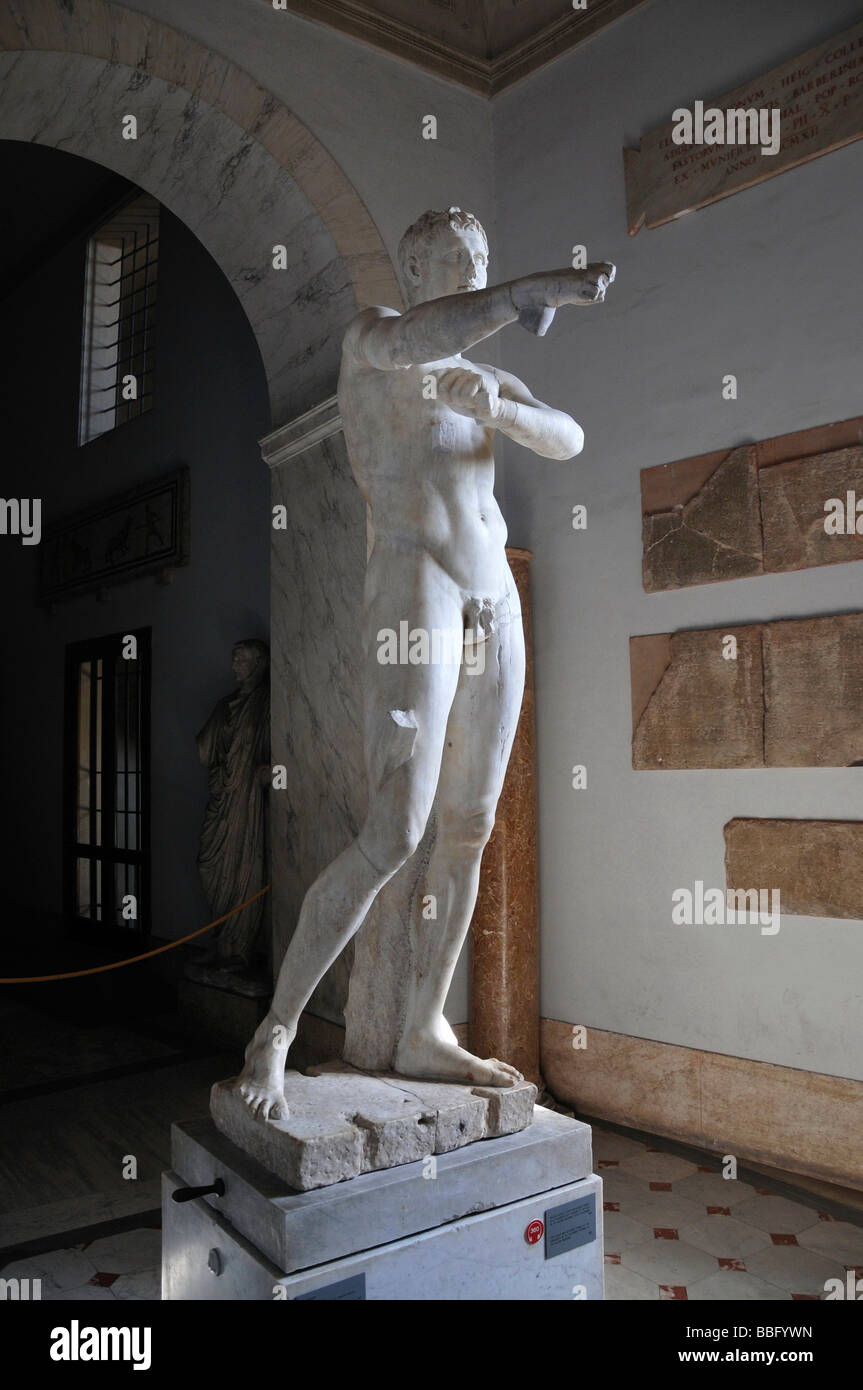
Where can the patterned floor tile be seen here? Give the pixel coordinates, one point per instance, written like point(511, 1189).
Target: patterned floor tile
point(88, 1293)
point(622, 1231)
point(794, 1268)
point(668, 1261)
point(127, 1252)
point(725, 1236)
point(58, 1270)
point(618, 1186)
point(733, 1286)
point(661, 1209)
point(144, 1285)
point(623, 1285)
point(608, 1145)
point(776, 1214)
point(836, 1240)
point(712, 1190)
point(657, 1167)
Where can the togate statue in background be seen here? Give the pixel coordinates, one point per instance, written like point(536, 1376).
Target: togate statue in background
point(234, 745)
point(443, 642)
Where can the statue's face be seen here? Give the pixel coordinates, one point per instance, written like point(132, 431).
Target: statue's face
point(243, 663)
point(457, 261)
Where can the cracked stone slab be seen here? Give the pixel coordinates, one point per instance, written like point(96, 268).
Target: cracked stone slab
point(757, 509)
point(793, 497)
point(344, 1122)
point(715, 535)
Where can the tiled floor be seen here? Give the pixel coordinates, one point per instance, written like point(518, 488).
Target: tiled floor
point(676, 1229)
point(673, 1229)
point(124, 1266)
point(86, 1096)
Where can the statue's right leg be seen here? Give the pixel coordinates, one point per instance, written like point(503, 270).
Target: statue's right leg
point(406, 712)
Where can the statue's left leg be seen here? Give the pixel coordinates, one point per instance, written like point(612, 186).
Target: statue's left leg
point(479, 738)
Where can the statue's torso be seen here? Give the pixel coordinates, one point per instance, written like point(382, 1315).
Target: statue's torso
point(426, 471)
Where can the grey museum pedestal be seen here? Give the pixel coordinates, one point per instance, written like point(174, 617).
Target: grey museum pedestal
point(517, 1217)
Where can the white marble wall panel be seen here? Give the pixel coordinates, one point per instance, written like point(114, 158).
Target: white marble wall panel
point(220, 182)
point(316, 595)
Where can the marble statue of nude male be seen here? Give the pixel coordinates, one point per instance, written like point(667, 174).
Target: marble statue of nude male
point(419, 421)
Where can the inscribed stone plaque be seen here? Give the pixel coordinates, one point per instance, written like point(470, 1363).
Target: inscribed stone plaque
point(793, 498)
point(792, 696)
point(785, 503)
point(705, 711)
point(813, 692)
point(715, 535)
point(817, 865)
point(819, 95)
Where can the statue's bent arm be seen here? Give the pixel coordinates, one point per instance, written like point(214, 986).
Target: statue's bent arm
point(539, 427)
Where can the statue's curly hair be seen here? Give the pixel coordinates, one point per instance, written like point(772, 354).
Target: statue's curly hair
point(420, 235)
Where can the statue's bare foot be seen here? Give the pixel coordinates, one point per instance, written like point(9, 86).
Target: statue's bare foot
point(431, 1057)
point(262, 1080)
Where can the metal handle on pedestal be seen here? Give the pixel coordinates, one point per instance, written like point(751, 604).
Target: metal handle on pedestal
point(186, 1194)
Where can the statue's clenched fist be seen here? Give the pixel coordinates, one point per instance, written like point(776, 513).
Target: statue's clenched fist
point(537, 296)
point(470, 391)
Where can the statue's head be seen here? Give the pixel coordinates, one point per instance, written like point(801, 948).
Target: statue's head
point(443, 253)
point(250, 661)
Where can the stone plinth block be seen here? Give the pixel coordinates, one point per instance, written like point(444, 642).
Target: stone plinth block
point(344, 1122)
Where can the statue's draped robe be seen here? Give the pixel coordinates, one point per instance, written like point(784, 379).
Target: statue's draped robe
point(234, 743)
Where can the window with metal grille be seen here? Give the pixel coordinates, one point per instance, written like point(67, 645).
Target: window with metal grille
point(108, 729)
point(118, 357)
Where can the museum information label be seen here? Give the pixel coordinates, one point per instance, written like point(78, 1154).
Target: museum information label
point(809, 106)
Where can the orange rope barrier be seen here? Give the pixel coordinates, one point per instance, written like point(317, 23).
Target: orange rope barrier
point(115, 965)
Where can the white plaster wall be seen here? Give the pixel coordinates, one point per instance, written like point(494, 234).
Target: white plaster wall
point(768, 285)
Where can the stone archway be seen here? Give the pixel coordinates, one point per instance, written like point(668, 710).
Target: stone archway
point(222, 153)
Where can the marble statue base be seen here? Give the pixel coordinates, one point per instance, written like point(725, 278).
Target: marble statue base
point(517, 1217)
point(344, 1122)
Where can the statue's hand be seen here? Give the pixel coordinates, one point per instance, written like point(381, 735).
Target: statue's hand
point(471, 392)
point(537, 296)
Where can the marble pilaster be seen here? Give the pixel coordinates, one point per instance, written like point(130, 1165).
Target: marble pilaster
point(504, 934)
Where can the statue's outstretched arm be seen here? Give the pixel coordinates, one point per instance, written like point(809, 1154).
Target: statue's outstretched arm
point(440, 328)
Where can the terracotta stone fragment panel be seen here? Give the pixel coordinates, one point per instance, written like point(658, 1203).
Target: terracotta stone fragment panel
point(755, 509)
point(705, 711)
point(715, 535)
point(792, 698)
point(813, 692)
point(793, 496)
point(817, 865)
